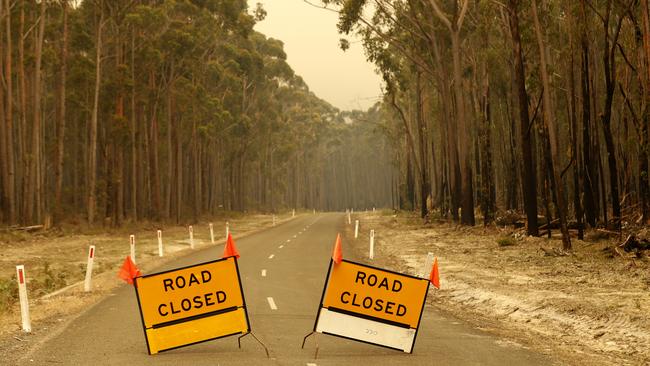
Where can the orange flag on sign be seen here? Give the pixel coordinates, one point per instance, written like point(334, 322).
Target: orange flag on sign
point(434, 277)
point(337, 253)
point(129, 271)
point(230, 250)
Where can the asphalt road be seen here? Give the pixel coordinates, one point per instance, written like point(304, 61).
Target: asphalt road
point(294, 258)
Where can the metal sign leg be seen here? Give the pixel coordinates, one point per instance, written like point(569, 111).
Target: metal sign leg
point(258, 341)
point(315, 340)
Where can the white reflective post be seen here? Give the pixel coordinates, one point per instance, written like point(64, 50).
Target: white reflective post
point(356, 229)
point(160, 245)
point(211, 233)
point(428, 263)
point(89, 268)
point(227, 229)
point(371, 254)
point(24, 302)
point(132, 243)
point(191, 230)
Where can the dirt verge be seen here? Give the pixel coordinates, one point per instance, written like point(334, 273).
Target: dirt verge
point(55, 268)
point(591, 307)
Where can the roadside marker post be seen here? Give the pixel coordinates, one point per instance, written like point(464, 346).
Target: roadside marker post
point(349, 218)
point(227, 229)
point(293, 213)
point(24, 302)
point(191, 230)
point(160, 244)
point(371, 254)
point(371, 305)
point(89, 268)
point(356, 229)
point(132, 243)
point(428, 263)
point(211, 233)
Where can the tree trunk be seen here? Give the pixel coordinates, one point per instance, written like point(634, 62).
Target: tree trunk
point(60, 131)
point(529, 175)
point(549, 119)
point(92, 150)
point(467, 191)
point(10, 186)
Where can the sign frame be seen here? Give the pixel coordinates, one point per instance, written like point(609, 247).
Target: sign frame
point(195, 317)
point(367, 317)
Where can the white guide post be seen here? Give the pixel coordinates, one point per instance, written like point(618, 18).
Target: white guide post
point(211, 233)
point(191, 230)
point(24, 302)
point(349, 218)
point(89, 268)
point(428, 263)
point(160, 245)
point(373, 209)
point(356, 229)
point(293, 213)
point(132, 243)
point(371, 254)
point(227, 228)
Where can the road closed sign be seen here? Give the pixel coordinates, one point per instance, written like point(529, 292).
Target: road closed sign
point(191, 305)
point(372, 305)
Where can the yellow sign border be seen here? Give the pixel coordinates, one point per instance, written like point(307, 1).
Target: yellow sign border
point(191, 318)
point(364, 316)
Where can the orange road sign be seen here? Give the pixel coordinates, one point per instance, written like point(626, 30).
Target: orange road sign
point(192, 304)
point(377, 293)
point(372, 305)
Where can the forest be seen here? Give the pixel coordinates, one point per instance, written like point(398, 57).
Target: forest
point(538, 107)
point(529, 111)
point(116, 110)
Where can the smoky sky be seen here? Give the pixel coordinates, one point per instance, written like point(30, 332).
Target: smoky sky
point(311, 41)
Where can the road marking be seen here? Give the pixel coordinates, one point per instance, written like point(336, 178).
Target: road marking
point(271, 256)
point(271, 303)
point(311, 364)
point(288, 240)
point(281, 246)
point(295, 236)
point(263, 273)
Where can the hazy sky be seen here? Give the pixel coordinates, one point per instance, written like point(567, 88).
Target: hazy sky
point(311, 41)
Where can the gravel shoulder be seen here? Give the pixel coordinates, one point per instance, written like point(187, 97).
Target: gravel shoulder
point(591, 307)
point(55, 266)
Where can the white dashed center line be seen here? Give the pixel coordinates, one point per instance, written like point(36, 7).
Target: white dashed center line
point(271, 303)
point(311, 364)
point(281, 246)
point(295, 236)
point(263, 273)
point(271, 256)
point(288, 240)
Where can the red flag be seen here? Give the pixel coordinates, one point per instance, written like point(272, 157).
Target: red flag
point(230, 250)
point(129, 271)
point(434, 277)
point(337, 253)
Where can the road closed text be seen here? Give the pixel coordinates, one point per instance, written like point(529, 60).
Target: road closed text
point(377, 304)
point(189, 292)
point(376, 293)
